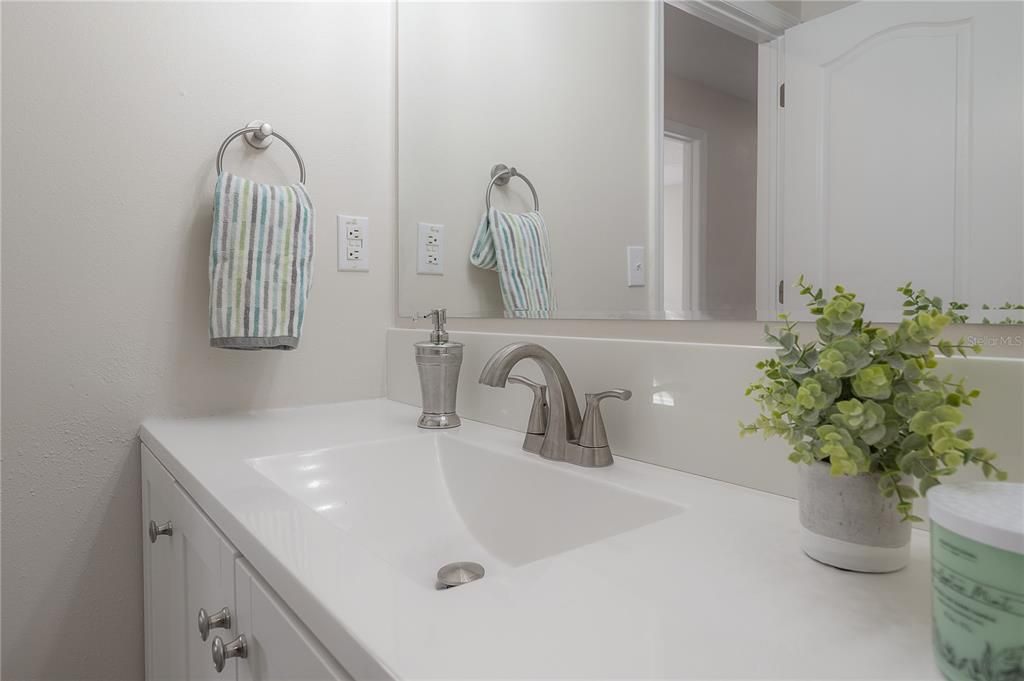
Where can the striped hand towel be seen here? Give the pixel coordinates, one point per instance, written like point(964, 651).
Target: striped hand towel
point(261, 264)
point(516, 245)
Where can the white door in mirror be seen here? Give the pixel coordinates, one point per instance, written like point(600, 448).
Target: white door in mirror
point(353, 244)
point(903, 135)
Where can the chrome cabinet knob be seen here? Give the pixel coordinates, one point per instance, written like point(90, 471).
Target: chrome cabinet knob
point(222, 652)
point(218, 620)
point(156, 530)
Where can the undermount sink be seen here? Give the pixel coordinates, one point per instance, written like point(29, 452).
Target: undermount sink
point(422, 502)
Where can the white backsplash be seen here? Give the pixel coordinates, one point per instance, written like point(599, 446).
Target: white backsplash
point(687, 400)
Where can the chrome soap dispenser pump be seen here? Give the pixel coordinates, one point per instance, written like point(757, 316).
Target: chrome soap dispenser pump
point(438, 362)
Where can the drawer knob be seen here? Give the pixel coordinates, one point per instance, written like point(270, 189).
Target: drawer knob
point(218, 620)
point(156, 530)
point(222, 652)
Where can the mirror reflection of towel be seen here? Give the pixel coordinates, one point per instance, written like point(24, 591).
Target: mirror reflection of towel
point(516, 246)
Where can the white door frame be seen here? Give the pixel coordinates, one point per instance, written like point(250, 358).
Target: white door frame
point(771, 291)
point(656, 174)
point(755, 20)
point(695, 222)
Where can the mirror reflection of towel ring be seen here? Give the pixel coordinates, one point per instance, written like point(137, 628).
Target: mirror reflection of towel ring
point(500, 175)
point(259, 135)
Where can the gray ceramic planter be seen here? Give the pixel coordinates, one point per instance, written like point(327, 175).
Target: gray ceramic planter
point(846, 522)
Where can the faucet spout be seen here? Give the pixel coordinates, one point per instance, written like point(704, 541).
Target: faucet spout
point(564, 421)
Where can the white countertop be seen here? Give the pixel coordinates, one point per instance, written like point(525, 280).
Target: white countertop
point(721, 590)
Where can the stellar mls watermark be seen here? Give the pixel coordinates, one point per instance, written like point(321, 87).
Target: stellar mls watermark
point(1008, 340)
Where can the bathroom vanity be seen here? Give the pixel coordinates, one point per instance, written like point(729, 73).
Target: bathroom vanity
point(192, 571)
point(321, 530)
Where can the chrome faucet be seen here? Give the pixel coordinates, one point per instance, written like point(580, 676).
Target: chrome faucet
point(565, 436)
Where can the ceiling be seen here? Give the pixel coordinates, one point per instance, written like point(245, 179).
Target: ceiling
point(700, 51)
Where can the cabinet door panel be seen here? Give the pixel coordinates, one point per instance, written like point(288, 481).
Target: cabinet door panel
point(281, 648)
point(192, 568)
point(208, 583)
point(902, 136)
point(164, 590)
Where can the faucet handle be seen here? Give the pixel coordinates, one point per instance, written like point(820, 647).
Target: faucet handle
point(593, 433)
point(538, 424)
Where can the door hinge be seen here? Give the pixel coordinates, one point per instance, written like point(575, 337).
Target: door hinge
point(782, 96)
point(782, 291)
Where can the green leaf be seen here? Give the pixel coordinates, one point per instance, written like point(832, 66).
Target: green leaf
point(923, 422)
point(927, 482)
point(873, 435)
point(906, 491)
point(918, 463)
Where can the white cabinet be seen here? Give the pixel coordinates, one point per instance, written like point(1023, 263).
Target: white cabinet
point(279, 645)
point(162, 560)
point(208, 583)
point(192, 566)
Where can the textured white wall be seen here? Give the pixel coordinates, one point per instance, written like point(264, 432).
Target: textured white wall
point(561, 91)
point(112, 116)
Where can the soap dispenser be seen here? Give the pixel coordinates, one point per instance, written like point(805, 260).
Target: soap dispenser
point(438, 362)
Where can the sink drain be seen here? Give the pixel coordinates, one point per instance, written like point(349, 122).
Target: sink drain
point(457, 574)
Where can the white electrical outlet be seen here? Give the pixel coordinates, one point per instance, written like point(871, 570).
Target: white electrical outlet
point(429, 248)
point(353, 244)
point(636, 264)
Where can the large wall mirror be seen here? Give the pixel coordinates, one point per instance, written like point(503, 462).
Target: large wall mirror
point(690, 160)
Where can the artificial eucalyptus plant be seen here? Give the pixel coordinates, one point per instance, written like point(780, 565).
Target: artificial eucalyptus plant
point(919, 300)
point(866, 400)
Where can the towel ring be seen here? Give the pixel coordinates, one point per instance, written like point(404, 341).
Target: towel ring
point(500, 175)
point(261, 135)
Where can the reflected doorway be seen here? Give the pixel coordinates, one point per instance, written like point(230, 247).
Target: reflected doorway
point(684, 150)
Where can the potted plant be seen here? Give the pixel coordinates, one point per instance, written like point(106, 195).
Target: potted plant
point(863, 409)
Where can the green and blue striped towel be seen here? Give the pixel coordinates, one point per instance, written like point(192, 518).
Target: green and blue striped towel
point(516, 246)
point(261, 264)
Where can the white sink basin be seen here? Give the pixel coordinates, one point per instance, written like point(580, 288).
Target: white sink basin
point(422, 502)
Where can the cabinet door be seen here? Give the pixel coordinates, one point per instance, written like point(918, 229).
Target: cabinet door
point(189, 569)
point(280, 647)
point(903, 128)
point(208, 583)
point(164, 589)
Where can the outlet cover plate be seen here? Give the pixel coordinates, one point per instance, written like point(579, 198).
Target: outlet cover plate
point(353, 244)
point(429, 248)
